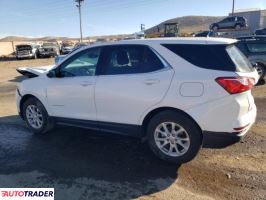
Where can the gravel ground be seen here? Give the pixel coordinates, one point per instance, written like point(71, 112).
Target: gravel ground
point(83, 164)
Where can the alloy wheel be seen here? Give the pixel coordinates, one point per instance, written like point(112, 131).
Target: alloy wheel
point(34, 116)
point(172, 139)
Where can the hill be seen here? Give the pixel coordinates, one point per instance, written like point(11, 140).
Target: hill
point(187, 24)
point(50, 38)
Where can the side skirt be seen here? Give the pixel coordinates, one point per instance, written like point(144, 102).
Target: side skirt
point(116, 128)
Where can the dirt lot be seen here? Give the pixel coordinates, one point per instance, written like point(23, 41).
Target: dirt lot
point(82, 164)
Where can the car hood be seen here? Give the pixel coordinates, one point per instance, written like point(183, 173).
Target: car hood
point(34, 71)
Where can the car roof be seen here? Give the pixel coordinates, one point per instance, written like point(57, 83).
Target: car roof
point(176, 40)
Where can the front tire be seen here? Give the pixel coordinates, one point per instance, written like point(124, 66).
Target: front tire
point(238, 27)
point(36, 116)
point(215, 28)
point(174, 137)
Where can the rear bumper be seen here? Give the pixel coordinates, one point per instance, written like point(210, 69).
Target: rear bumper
point(224, 139)
point(219, 139)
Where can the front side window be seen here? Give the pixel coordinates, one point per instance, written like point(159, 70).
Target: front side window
point(257, 47)
point(129, 59)
point(225, 20)
point(81, 64)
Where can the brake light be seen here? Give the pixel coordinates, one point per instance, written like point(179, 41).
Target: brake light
point(235, 85)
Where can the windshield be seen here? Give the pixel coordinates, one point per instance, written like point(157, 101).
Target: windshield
point(239, 59)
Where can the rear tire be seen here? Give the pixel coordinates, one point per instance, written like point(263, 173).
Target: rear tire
point(36, 116)
point(176, 145)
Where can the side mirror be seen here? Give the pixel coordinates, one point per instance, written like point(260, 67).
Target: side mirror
point(51, 73)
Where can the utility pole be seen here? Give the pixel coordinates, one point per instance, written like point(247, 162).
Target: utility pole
point(233, 8)
point(80, 22)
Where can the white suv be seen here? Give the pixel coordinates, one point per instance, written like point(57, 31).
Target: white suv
point(171, 92)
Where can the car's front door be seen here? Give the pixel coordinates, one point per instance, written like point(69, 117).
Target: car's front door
point(132, 79)
point(71, 93)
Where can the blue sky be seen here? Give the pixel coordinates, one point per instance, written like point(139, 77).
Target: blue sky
point(103, 17)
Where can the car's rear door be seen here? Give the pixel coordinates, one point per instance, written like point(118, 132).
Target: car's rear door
point(132, 79)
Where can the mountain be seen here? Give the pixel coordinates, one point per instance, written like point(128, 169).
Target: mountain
point(187, 24)
point(19, 38)
point(51, 38)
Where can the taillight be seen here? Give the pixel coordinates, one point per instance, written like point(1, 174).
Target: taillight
point(235, 85)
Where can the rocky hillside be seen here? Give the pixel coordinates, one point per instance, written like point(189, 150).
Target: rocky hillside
point(188, 24)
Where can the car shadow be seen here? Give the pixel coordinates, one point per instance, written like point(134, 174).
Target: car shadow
point(8, 58)
point(68, 154)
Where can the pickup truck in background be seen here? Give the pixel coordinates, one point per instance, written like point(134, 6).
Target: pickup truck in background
point(26, 51)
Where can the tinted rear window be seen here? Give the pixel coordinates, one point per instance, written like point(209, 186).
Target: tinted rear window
point(214, 57)
point(205, 56)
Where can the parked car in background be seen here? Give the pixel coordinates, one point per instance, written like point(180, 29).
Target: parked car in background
point(66, 48)
point(80, 44)
point(229, 23)
point(26, 51)
point(49, 49)
point(261, 32)
point(202, 34)
point(173, 93)
point(254, 47)
point(77, 46)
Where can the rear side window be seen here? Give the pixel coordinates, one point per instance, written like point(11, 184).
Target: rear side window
point(129, 59)
point(213, 57)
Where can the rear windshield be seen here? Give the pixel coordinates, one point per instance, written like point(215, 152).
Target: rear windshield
point(214, 57)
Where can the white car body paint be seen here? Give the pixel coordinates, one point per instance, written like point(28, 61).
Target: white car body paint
point(127, 99)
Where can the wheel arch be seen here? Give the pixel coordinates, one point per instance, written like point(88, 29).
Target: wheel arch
point(215, 25)
point(155, 111)
point(24, 99)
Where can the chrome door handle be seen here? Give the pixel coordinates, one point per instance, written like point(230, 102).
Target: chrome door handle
point(151, 81)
